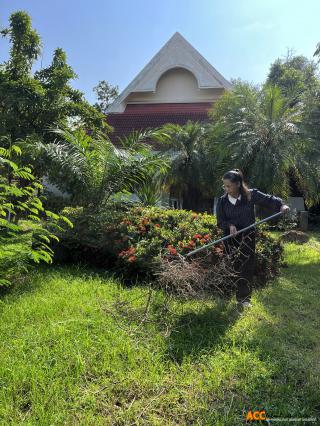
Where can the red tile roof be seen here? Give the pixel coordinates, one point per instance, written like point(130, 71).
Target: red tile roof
point(141, 117)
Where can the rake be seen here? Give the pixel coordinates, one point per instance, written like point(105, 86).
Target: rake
point(230, 236)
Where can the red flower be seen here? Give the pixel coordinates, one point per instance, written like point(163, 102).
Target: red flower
point(157, 225)
point(206, 236)
point(197, 236)
point(127, 252)
point(132, 259)
point(172, 250)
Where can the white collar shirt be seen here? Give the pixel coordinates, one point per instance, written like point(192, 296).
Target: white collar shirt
point(232, 199)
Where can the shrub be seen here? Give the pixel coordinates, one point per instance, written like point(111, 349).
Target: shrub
point(133, 240)
point(269, 256)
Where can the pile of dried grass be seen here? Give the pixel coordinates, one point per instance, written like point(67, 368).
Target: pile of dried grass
point(194, 277)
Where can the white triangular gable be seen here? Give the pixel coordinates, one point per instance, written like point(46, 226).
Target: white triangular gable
point(176, 53)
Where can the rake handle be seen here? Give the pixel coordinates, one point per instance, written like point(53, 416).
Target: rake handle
point(231, 235)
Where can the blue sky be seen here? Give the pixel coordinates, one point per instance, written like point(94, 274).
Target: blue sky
point(113, 40)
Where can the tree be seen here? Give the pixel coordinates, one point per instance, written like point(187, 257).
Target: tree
point(25, 45)
point(259, 132)
point(298, 79)
point(105, 94)
point(92, 170)
point(187, 145)
point(294, 75)
point(31, 103)
point(154, 184)
point(19, 244)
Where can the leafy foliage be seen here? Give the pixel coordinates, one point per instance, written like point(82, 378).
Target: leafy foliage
point(189, 173)
point(294, 75)
point(91, 169)
point(21, 243)
point(31, 103)
point(25, 44)
point(132, 240)
point(105, 94)
point(260, 132)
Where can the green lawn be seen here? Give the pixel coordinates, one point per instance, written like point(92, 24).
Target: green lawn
point(65, 360)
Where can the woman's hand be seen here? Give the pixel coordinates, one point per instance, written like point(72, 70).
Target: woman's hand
point(233, 230)
point(284, 208)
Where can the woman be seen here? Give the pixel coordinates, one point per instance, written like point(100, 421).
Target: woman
point(235, 211)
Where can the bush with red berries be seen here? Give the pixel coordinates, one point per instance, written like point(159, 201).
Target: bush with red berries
point(135, 240)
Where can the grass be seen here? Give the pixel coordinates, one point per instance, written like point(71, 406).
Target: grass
point(65, 359)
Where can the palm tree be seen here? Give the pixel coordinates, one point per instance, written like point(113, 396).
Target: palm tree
point(149, 190)
point(186, 144)
point(311, 160)
point(91, 169)
point(255, 130)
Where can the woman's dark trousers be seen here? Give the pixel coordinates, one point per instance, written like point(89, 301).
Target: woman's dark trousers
point(241, 249)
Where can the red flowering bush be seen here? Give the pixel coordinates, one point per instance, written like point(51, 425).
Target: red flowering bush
point(134, 240)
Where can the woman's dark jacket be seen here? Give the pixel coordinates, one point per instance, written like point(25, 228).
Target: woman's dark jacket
point(242, 214)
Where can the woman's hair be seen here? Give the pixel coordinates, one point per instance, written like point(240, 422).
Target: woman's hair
point(236, 175)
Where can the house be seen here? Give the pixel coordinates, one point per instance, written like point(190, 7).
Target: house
point(177, 85)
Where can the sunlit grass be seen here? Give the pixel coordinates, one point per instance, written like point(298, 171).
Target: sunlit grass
point(64, 359)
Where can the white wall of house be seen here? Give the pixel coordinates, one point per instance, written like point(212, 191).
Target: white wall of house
point(175, 86)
